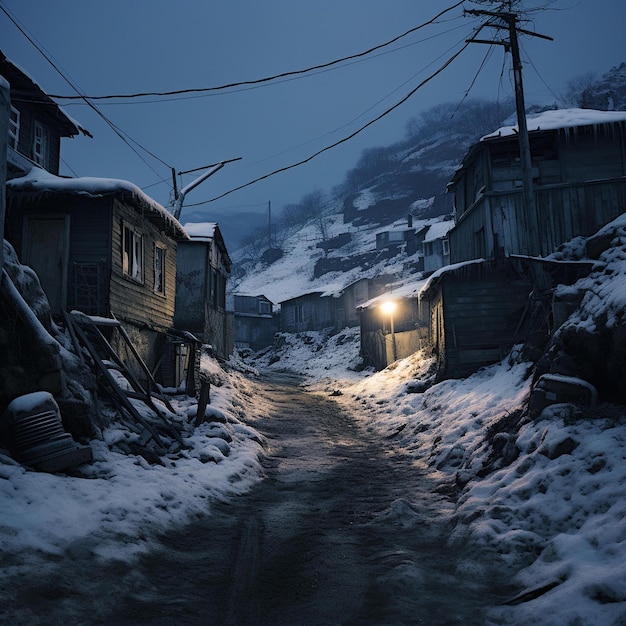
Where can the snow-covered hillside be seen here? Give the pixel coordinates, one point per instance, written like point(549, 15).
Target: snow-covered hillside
point(294, 273)
point(386, 187)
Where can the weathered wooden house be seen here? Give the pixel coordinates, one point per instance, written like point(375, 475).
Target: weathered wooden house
point(203, 266)
point(476, 311)
point(99, 246)
point(36, 124)
point(579, 185)
point(254, 320)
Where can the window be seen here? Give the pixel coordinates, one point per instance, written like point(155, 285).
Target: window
point(159, 270)
point(14, 128)
point(264, 307)
point(133, 254)
point(445, 247)
point(299, 314)
point(40, 145)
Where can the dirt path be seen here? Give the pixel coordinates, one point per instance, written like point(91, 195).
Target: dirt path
point(342, 531)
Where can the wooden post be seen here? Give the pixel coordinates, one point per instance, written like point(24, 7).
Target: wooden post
point(203, 400)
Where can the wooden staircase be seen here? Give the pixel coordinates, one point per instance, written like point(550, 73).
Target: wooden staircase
point(118, 382)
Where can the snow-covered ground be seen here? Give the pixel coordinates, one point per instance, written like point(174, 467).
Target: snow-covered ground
point(545, 497)
point(114, 506)
point(550, 507)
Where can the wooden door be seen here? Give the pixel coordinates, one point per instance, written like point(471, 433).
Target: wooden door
point(46, 251)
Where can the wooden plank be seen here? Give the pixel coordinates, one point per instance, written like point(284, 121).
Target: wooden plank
point(115, 392)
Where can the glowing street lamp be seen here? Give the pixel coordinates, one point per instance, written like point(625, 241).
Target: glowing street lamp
point(388, 307)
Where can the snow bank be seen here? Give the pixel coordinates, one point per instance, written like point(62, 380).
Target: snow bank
point(115, 506)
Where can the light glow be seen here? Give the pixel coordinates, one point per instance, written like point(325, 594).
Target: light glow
point(388, 307)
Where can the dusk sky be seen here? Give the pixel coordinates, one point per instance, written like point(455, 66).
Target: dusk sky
point(131, 46)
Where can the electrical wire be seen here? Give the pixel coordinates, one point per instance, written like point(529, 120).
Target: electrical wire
point(267, 78)
point(471, 85)
point(118, 131)
point(355, 133)
point(528, 60)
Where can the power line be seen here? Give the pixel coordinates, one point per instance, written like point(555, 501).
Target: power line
point(121, 134)
point(166, 98)
point(471, 85)
point(355, 133)
point(267, 78)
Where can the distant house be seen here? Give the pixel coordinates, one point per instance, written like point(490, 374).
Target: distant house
point(254, 319)
point(436, 246)
point(333, 309)
point(36, 124)
point(579, 183)
point(309, 311)
point(203, 266)
point(393, 238)
point(99, 246)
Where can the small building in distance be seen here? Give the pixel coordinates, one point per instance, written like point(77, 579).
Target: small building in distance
point(255, 323)
point(203, 267)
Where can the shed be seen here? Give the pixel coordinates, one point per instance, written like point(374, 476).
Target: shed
point(391, 332)
point(477, 311)
point(309, 311)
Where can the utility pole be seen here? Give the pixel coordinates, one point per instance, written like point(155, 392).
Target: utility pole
point(511, 19)
point(269, 223)
point(179, 198)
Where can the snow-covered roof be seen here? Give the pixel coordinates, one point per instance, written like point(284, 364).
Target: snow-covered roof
point(540, 122)
point(41, 182)
point(435, 276)
point(201, 231)
point(438, 230)
point(410, 289)
point(561, 118)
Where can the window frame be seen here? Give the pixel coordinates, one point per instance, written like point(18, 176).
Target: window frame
point(132, 265)
point(14, 128)
point(445, 247)
point(160, 253)
point(40, 144)
point(298, 314)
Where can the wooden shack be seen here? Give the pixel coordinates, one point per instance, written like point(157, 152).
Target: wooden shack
point(579, 185)
point(309, 311)
point(99, 246)
point(477, 311)
point(391, 332)
point(474, 313)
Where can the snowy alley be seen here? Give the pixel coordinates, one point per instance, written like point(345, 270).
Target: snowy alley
point(341, 530)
